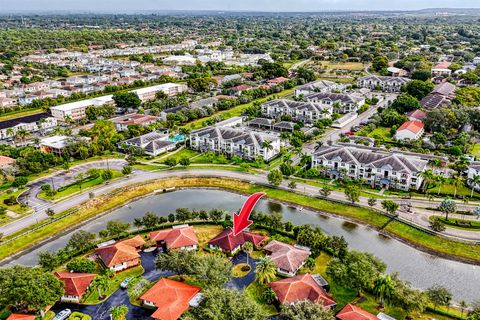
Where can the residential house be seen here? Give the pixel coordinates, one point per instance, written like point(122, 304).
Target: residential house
point(165, 112)
point(118, 256)
point(473, 171)
point(75, 285)
point(236, 142)
point(152, 144)
point(476, 60)
point(341, 103)
point(378, 168)
point(20, 316)
point(301, 288)
point(121, 123)
point(434, 101)
point(136, 242)
point(416, 115)
point(411, 129)
point(445, 89)
point(277, 81)
point(207, 102)
point(323, 86)
point(7, 162)
point(308, 112)
point(171, 298)
point(442, 69)
point(178, 238)
point(351, 312)
point(385, 83)
point(7, 102)
point(227, 242)
point(288, 259)
point(58, 144)
point(40, 123)
point(397, 72)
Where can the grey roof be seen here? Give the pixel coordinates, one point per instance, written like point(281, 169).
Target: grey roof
point(433, 101)
point(445, 89)
point(284, 125)
point(204, 103)
point(261, 122)
point(157, 144)
point(371, 158)
point(302, 106)
point(236, 136)
point(335, 97)
point(387, 79)
point(145, 139)
point(320, 84)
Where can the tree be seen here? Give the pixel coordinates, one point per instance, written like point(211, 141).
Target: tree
point(116, 228)
point(390, 206)
point(384, 289)
point(212, 270)
point(437, 225)
point(357, 270)
point(81, 265)
point(352, 193)
point(149, 220)
point(405, 103)
point(19, 182)
point(28, 289)
point(422, 75)
point(107, 175)
point(225, 304)
point(49, 212)
point(101, 284)
point(127, 100)
point(48, 260)
point(269, 296)
point(178, 261)
point(127, 170)
point(372, 202)
point(292, 185)
point(275, 177)
point(171, 162)
point(184, 162)
point(216, 215)
point(325, 191)
point(475, 182)
point(448, 206)
point(407, 298)
point(418, 89)
point(81, 240)
point(439, 296)
point(266, 270)
point(248, 248)
point(304, 310)
point(119, 312)
point(379, 63)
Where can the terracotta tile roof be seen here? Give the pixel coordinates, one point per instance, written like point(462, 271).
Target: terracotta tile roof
point(135, 242)
point(351, 312)
point(285, 256)
point(228, 242)
point(116, 254)
point(413, 126)
point(417, 114)
point(6, 161)
point(176, 238)
point(171, 297)
point(75, 284)
point(278, 80)
point(442, 65)
point(300, 288)
point(18, 316)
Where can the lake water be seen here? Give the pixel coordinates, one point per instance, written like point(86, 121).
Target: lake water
point(421, 269)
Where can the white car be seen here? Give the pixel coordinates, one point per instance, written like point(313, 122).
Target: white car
point(124, 284)
point(62, 315)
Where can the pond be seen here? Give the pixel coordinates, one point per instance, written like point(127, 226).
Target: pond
point(421, 269)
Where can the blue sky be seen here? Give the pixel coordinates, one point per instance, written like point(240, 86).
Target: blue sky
point(233, 5)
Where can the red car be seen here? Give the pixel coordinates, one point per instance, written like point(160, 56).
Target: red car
point(350, 133)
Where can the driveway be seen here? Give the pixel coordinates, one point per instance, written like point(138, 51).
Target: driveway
point(241, 283)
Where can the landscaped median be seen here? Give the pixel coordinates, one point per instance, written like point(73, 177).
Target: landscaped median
point(445, 247)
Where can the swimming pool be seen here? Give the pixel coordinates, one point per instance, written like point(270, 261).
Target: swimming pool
point(176, 138)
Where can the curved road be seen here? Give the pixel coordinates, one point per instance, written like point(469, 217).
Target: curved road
point(420, 216)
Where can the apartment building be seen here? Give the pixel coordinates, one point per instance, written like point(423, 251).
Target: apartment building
point(386, 83)
point(341, 103)
point(170, 89)
point(308, 112)
point(41, 123)
point(236, 142)
point(317, 86)
point(378, 168)
point(75, 111)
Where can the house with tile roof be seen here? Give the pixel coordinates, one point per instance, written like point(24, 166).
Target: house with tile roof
point(121, 123)
point(75, 285)
point(227, 242)
point(351, 312)
point(308, 112)
point(341, 103)
point(386, 83)
point(301, 288)
point(288, 259)
point(245, 144)
point(118, 256)
point(137, 242)
point(378, 168)
point(6, 162)
point(20, 316)
point(171, 298)
point(412, 129)
point(442, 69)
point(417, 115)
point(176, 238)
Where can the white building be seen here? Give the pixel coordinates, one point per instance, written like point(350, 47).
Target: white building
point(387, 84)
point(341, 103)
point(411, 129)
point(40, 123)
point(323, 86)
point(152, 144)
point(170, 89)
point(378, 168)
point(308, 112)
point(235, 142)
point(76, 110)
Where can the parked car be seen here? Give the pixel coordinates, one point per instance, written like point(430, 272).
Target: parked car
point(349, 133)
point(124, 284)
point(356, 128)
point(62, 315)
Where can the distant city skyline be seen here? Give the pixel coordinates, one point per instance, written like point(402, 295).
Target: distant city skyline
point(227, 5)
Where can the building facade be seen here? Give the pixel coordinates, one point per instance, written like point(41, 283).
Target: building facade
point(387, 84)
point(341, 103)
point(308, 112)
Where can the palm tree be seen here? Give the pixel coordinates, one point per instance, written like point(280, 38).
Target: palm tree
point(441, 181)
point(101, 285)
point(10, 132)
point(323, 168)
point(428, 178)
point(267, 145)
point(22, 134)
point(318, 144)
point(119, 312)
point(269, 296)
point(463, 305)
point(247, 248)
point(475, 181)
point(266, 270)
point(457, 181)
point(384, 289)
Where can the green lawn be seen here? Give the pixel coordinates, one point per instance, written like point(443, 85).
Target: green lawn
point(470, 225)
point(78, 187)
point(351, 66)
point(381, 133)
point(476, 150)
point(17, 208)
point(113, 285)
point(18, 114)
point(254, 292)
point(184, 153)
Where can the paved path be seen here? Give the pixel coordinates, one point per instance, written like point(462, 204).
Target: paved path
point(420, 216)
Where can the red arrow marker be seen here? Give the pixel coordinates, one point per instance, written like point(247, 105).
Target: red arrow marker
point(241, 221)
